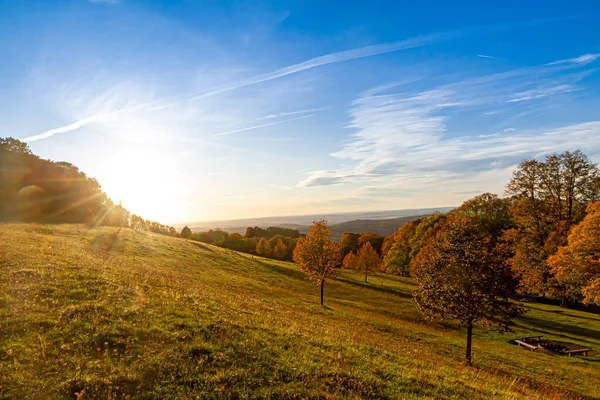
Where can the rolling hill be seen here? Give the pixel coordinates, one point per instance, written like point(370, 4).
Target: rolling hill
point(86, 313)
point(382, 222)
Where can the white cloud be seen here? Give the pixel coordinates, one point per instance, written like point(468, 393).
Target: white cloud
point(403, 137)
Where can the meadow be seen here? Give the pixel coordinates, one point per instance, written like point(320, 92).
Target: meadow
point(85, 313)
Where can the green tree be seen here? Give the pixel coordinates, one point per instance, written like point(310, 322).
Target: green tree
point(461, 274)
point(263, 248)
point(398, 258)
point(186, 232)
point(13, 145)
point(317, 255)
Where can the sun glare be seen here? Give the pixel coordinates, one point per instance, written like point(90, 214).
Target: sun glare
point(145, 182)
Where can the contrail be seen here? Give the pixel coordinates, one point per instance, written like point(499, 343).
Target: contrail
point(262, 126)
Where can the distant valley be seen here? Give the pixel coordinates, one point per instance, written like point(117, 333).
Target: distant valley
point(381, 222)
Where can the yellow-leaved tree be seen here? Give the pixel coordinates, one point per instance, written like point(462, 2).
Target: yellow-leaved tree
point(317, 255)
point(576, 266)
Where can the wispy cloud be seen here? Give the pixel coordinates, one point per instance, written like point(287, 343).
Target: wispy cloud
point(403, 135)
point(484, 56)
point(249, 128)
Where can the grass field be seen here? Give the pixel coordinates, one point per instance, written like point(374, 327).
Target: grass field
point(83, 314)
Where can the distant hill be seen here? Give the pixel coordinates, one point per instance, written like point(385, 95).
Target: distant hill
point(382, 222)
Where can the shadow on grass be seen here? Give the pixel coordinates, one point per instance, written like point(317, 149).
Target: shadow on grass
point(375, 288)
point(292, 273)
point(590, 308)
point(557, 329)
point(562, 312)
point(201, 246)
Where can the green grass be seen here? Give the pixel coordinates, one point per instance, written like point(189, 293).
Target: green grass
point(157, 317)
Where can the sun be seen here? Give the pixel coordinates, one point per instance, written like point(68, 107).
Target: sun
point(146, 182)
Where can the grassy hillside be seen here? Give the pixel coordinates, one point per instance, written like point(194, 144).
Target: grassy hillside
point(83, 314)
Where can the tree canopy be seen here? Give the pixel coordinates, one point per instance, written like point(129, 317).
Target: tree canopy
point(317, 255)
point(461, 272)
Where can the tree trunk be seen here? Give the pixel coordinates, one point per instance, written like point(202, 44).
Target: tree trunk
point(322, 284)
point(469, 338)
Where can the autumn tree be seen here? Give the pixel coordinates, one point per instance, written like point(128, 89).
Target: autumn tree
point(263, 248)
point(374, 238)
point(547, 199)
point(350, 261)
point(280, 249)
point(367, 259)
point(186, 232)
point(349, 242)
point(317, 255)
point(398, 258)
point(576, 266)
point(461, 274)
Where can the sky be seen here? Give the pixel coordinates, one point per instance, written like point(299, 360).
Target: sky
point(212, 110)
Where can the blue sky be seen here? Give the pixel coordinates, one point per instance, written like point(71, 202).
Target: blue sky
point(207, 110)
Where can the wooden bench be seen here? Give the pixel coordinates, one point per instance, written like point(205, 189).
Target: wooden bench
point(526, 338)
point(578, 351)
point(526, 345)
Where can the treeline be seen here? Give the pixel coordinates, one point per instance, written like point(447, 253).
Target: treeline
point(36, 190)
point(551, 225)
point(273, 242)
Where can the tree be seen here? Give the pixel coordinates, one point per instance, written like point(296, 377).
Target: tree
point(548, 198)
point(461, 274)
point(350, 261)
point(263, 248)
point(14, 146)
point(349, 242)
point(280, 249)
point(576, 266)
point(374, 238)
point(398, 258)
point(367, 259)
point(317, 255)
point(186, 232)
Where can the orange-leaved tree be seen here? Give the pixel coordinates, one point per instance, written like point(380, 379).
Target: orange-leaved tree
point(317, 255)
point(367, 259)
point(576, 266)
point(462, 274)
point(280, 249)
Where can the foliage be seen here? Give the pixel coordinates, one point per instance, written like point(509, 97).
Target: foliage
point(547, 199)
point(317, 255)
point(349, 242)
point(263, 248)
point(398, 258)
point(461, 273)
point(373, 238)
point(186, 232)
point(367, 259)
point(280, 249)
point(576, 266)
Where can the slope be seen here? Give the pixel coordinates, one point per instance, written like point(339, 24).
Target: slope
point(88, 314)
